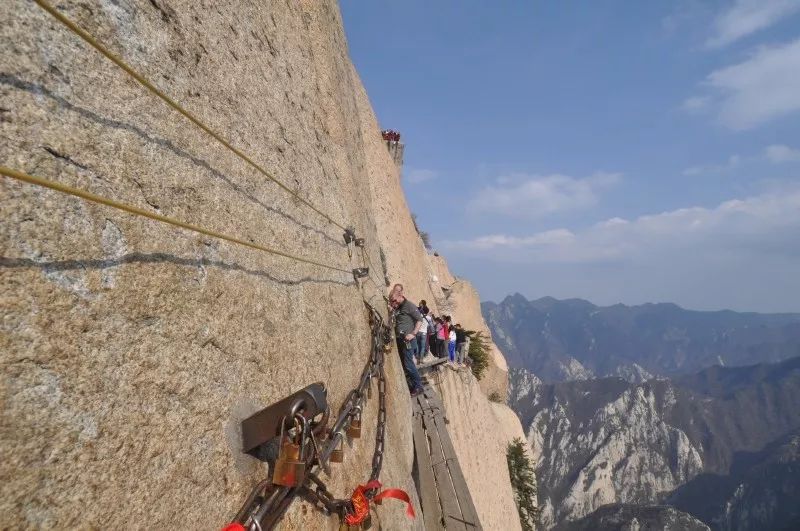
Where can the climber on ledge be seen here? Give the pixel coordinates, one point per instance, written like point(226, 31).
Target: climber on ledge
point(407, 322)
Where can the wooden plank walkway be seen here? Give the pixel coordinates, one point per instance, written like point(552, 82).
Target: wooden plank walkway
point(446, 501)
point(426, 366)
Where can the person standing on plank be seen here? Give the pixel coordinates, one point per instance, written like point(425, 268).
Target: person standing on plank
point(461, 344)
point(407, 322)
point(451, 345)
point(422, 335)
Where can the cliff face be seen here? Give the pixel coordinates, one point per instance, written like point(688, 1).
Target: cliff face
point(131, 351)
point(480, 431)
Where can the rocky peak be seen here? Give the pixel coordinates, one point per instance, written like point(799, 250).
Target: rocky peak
point(608, 440)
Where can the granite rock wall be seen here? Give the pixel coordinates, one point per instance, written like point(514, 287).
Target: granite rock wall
point(130, 350)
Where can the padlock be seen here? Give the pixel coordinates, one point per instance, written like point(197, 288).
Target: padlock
point(290, 467)
point(337, 455)
point(368, 390)
point(354, 428)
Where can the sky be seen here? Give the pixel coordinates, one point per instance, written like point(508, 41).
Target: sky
point(614, 151)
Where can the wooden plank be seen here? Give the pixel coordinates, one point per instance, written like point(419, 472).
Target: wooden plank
point(429, 365)
point(433, 398)
point(469, 514)
point(463, 495)
point(444, 483)
point(452, 497)
point(431, 509)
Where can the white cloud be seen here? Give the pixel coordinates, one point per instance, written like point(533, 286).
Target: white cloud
point(763, 87)
point(695, 104)
point(558, 236)
point(748, 16)
point(417, 176)
point(768, 223)
point(526, 196)
point(778, 153)
point(732, 163)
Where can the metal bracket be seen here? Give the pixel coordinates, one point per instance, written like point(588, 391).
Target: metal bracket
point(360, 272)
point(349, 235)
point(359, 242)
point(265, 425)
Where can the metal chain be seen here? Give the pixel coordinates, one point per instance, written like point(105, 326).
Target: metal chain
point(380, 431)
point(381, 337)
point(267, 502)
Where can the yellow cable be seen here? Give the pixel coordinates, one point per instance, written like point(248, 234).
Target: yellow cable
point(39, 181)
point(149, 86)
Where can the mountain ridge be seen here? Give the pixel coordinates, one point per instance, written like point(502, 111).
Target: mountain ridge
point(574, 339)
point(550, 299)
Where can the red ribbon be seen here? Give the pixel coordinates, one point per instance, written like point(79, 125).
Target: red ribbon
point(397, 494)
point(361, 503)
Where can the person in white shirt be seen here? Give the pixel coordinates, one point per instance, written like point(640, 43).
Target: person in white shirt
point(451, 345)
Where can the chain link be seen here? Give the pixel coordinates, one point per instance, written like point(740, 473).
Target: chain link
point(267, 502)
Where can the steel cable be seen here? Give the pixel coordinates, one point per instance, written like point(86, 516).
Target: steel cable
point(166, 99)
point(83, 194)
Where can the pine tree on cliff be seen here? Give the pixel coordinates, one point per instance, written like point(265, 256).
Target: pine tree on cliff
point(523, 482)
point(478, 353)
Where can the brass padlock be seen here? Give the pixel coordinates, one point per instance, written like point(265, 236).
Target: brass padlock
point(290, 467)
point(354, 428)
point(337, 455)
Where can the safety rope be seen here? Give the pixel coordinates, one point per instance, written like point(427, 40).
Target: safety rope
point(83, 194)
point(166, 99)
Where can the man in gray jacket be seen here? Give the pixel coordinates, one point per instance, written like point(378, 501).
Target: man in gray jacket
point(407, 322)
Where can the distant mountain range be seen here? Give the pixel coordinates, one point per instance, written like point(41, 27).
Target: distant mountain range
point(722, 445)
point(572, 339)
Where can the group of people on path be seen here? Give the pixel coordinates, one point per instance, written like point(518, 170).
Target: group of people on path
point(419, 332)
point(390, 135)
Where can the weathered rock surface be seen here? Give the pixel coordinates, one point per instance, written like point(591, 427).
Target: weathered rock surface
point(481, 431)
point(131, 351)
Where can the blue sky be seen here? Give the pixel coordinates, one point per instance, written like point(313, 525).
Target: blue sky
point(615, 151)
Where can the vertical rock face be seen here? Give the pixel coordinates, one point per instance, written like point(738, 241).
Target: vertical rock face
point(131, 351)
point(480, 431)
